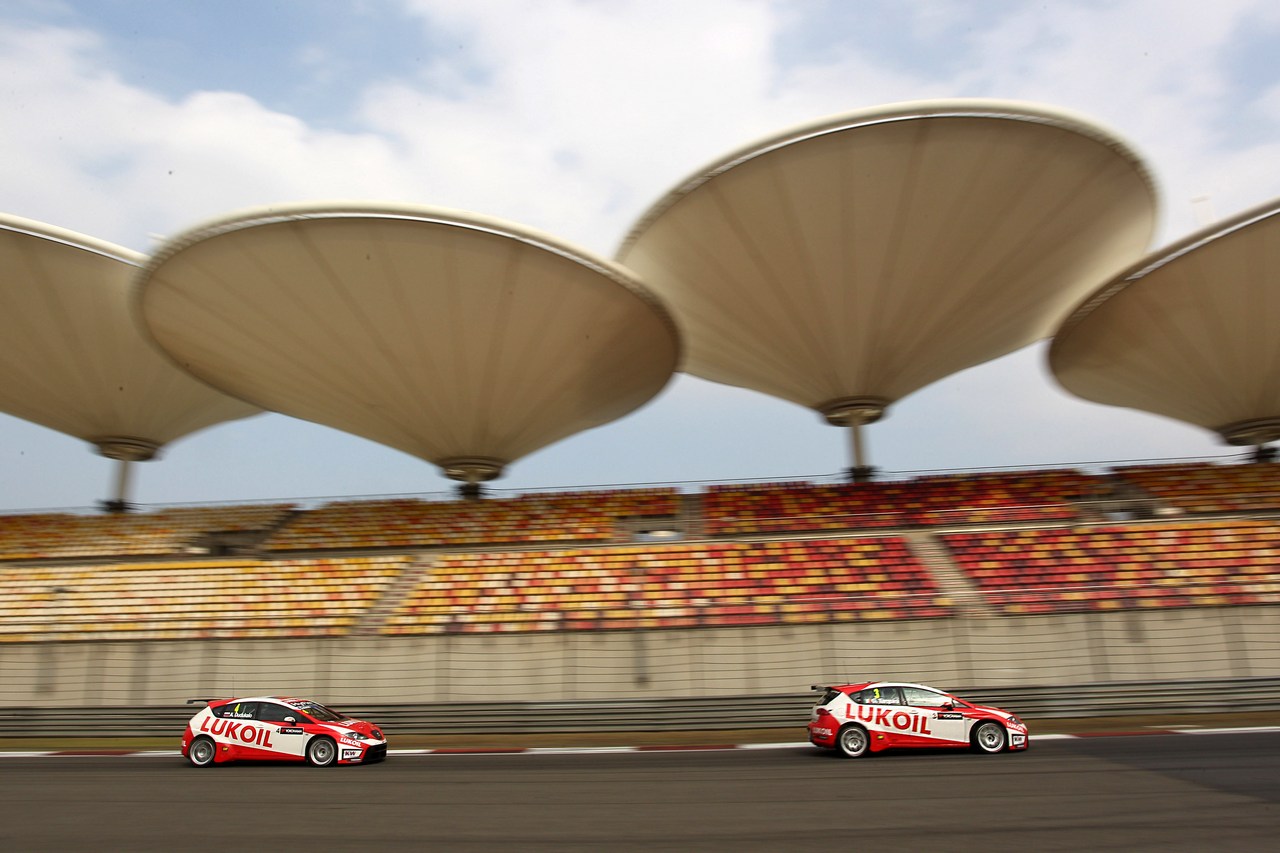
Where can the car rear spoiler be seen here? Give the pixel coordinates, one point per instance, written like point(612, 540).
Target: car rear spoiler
point(205, 701)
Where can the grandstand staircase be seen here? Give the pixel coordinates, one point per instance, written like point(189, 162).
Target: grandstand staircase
point(951, 580)
point(691, 518)
point(375, 617)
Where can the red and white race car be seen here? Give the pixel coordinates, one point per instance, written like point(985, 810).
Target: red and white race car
point(278, 728)
point(876, 715)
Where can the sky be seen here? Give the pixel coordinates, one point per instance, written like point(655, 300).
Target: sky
point(130, 120)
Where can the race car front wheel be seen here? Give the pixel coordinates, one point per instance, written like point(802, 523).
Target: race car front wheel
point(201, 752)
point(321, 752)
point(853, 741)
point(989, 737)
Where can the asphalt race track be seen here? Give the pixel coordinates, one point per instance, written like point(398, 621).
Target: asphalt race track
point(1168, 792)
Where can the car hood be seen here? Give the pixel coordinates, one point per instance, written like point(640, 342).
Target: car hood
point(364, 728)
point(1002, 714)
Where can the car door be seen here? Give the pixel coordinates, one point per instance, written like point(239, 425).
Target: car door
point(879, 708)
point(233, 728)
point(287, 727)
point(942, 725)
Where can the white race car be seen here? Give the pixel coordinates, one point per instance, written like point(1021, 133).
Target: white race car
point(875, 715)
point(278, 728)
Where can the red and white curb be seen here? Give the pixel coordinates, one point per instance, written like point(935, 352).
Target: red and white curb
point(599, 750)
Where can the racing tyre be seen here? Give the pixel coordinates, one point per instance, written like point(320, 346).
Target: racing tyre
point(990, 737)
point(853, 741)
point(201, 752)
point(322, 752)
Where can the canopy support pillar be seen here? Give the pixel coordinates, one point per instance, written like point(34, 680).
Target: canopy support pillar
point(125, 450)
point(472, 471)
point(861, 472)
point(120, 503)
point(855, 413)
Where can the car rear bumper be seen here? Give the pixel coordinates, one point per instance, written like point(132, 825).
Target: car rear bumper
point(823, 733)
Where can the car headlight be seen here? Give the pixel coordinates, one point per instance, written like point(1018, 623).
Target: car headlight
point(357, 736)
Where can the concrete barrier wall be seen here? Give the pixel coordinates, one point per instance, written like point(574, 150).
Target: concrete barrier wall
point(1238, 642)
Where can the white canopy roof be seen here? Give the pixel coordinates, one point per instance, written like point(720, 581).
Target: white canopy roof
point(71, 358)
point(1191, 332)
point(849, 262)
point(456, 338)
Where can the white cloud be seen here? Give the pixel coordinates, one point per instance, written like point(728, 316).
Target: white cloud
point(1153, 71)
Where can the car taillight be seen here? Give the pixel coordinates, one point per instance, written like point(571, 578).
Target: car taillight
point(823, 712)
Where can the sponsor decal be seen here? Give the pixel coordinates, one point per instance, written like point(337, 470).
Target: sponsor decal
point(293, 731)
point(348, 741)
point(889, 719)
point(946, 715)
point(237, 731)
point(821, 732)
point(1019, 738)
point(348, 754)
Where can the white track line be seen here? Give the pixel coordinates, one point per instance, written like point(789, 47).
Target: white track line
point(1240, 730)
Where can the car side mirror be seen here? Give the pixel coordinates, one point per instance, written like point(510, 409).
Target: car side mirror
point(947, 706)
point(290, 720)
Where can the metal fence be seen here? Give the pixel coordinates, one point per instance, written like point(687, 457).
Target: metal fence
point(501, 716)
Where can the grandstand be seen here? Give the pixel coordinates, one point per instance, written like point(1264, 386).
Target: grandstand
point(939, 546)
point(1144, 572)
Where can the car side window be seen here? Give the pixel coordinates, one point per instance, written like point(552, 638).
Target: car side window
point(921, 698)
point(879, 696)
point(272, 713)
point(237, 710)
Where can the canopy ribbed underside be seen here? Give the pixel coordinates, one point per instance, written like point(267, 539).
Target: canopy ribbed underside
point(1191, 333)
point(437, 333)
point(71, 358)
point(874, 256)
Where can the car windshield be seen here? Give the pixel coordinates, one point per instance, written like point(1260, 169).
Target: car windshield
point(319, 712)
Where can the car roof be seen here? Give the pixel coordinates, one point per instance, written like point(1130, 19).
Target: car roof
point(286, 699)
point(863, 685)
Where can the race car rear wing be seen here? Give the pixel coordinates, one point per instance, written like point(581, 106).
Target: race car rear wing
point(205, 701)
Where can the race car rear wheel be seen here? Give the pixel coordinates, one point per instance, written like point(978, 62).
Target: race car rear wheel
point(853, 741)
point(201, 752)
point(321, 752)
point(990, 737)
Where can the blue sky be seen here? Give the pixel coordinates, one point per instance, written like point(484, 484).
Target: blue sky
point(131, 120)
